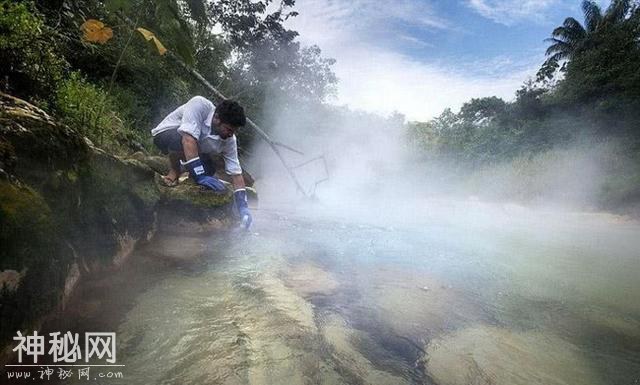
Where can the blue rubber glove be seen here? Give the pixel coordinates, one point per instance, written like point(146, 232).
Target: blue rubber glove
point(240, 198)
point(196, 171)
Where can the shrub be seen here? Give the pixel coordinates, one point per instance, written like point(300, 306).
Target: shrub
point(30, 66)
point(87, 108)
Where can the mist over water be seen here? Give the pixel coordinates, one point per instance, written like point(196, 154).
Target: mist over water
point(378, 280)
point(499, 245)
point(315, 297)
point(546, 286)
point(372, 162)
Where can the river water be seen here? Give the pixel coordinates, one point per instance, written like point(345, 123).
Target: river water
point(471, 294)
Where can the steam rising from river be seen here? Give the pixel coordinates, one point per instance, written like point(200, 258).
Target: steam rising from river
point(376, 282)
point(387, 277)
point(492, 290)
point(364, 154)
point(375, 173)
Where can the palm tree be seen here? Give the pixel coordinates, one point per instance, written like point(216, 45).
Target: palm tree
point(571, 37)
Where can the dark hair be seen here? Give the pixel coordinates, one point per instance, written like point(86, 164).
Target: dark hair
point(231, 112)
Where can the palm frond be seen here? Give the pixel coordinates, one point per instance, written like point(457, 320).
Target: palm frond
point(634, 15)
point(547, 71)
point(557, 47)
point(592, 15)
point(617, 11)
point(570, 31)
point(574, 25)
point(558, 57)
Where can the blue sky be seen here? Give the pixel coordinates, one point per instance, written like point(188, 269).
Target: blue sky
point(419, 57)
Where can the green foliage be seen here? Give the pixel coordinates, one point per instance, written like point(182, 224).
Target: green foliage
point(255, 59)
point(270, 63)
point(30, 63)
point(571, 38)
point(610, 68)
point(422, 136)
point(87, 108)
point(173, 21)
point(598, 96)
point(574, 174)
point(602, 74)
point(520, 145)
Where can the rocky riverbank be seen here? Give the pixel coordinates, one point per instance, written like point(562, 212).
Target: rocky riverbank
point(70, 211)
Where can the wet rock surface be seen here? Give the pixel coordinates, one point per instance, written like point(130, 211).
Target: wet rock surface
point(68, 210)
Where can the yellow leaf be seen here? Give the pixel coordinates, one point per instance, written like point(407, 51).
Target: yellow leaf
point(150, 36)
point(95, 31)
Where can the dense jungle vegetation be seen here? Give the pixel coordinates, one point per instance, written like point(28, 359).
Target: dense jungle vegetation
point(102, 67)
point(587, 93)
point(87, 62)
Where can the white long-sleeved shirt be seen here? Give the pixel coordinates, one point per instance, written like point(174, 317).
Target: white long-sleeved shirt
point(194, 118)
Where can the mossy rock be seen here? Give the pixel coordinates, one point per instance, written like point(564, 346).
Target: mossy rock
point(190, 194)
point(111, 198)
point(61, 198)
point(36, 136)
point(192, 204)
point(25, 218)
point(7, 159)
point(159, 164)
point(31, 245)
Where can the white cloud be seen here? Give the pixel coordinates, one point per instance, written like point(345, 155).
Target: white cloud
point(382, 81)
point(372, 12)
point(376, 78)
point(510, 12)
point(415, 41)
point(323, 19)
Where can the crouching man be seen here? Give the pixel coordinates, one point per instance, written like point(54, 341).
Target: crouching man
point(199, 128)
